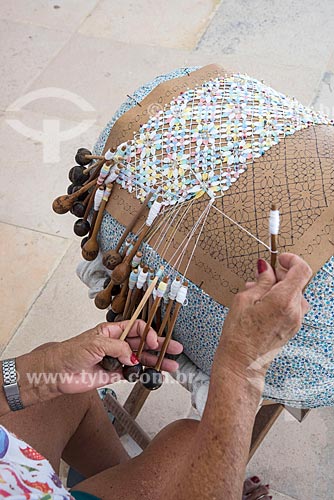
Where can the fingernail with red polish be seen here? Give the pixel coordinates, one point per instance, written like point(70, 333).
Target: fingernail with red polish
point(267, 485)
point(134, 360)
point(255, 479)
point(261, 266)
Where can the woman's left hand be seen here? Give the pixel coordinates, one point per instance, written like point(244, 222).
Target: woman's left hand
point(75, 363)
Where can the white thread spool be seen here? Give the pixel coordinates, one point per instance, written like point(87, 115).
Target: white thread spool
point(108, 155)
point(114, 173)
point(98, 198)
point(273, 230)
point(161, 289)
point(274, 221)
point(136, 259)
point(175, 287)
point(153, 213)
point(133, 279)
point(182, 294)
point(142, 276)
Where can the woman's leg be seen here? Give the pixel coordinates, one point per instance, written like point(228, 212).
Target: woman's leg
point(75, 427)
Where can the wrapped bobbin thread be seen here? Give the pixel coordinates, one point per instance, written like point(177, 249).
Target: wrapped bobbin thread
point(132, 373)
point(274, 223)
point(152, 378)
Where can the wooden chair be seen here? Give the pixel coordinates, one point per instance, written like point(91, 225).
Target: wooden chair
point(126, 417)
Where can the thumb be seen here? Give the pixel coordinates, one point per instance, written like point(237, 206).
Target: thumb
point(119, 349)
point(265, 280)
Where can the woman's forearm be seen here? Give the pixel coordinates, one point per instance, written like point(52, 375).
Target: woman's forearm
point(33, 387)
point(216, 465)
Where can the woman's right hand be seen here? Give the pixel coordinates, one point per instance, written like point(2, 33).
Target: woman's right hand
point(265, 316)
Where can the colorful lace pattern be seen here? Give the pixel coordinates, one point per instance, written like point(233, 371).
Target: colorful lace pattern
point(202, 141)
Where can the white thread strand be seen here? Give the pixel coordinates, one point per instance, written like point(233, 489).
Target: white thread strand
point(242, 228)
point(185, 239)
point(198, 237)
point(192, 232)
point(171, 239)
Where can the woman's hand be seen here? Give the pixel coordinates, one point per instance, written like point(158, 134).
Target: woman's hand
point(265, 316)
point(73, 366)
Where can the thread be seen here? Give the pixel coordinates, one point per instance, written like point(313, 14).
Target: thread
point(153, 213)
point(114, 173)
point(136, 259)
point(274, 221)
point(160, 272)
point(98, 199)
point(161, 289)
point(199, 235)
point(129, 249)
point(108, 155)
point(175, 287)
point(107, 192)
point(103, 174)
point(182, 295)
point(133, 279)
point(242, 228)
point(142, 276)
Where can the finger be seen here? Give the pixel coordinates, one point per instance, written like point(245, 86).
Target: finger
point(117, 349)
point(174, 346)
point(250, 284)
point(137, 332)
point(168, 365)
point(265, 280)
point(294, 271)
point(115, 330)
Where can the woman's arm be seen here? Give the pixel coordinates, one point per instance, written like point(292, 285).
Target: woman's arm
point(73, 366)
point(261, 320)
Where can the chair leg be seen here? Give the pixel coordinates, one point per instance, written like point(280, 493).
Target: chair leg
point(127, 422)
point(265, 419)
point(133, 405)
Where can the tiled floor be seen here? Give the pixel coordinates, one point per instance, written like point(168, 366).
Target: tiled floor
point(101, 51)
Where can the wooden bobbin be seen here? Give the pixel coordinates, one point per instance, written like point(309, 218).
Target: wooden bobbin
point(110, 363)
point(82, 226)
point(152, 377)
point(152, 313)
point(103, 298)
point(63, 204)
point(91, 249)
point(77, 176)
point(136, 292)
point(97, 166)
point(118, 303)
point(273, 245)
point(81, 156)
point(122, 271)
point(128, 298)
point(113, 255)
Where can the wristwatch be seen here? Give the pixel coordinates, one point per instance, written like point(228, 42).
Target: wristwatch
point(10, 385)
